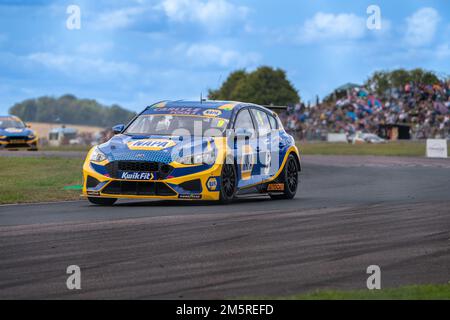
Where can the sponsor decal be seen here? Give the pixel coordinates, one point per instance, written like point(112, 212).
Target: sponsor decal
point(275, 187)
point(93, 193)
point(136, 175)
point(190, 196)
point(160, 104)
point(13, 130)
point(176, 110)
point(212, 184)
point(227, 107)
point(220, 123)
point(212, 112)
point(150, 144)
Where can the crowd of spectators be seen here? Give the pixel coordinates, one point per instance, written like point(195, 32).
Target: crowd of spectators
point(425, 109)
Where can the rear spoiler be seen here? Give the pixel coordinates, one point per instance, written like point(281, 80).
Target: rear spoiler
point(276, 109)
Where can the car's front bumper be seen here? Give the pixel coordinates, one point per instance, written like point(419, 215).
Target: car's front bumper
point(12, 143)
point(200, 185)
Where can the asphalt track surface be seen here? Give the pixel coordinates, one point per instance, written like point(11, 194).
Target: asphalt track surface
point(349, 213)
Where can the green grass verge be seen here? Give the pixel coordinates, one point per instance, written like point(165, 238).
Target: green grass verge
point(65, 148)
point(39, 179)
point(416, 292)
point(397, 148)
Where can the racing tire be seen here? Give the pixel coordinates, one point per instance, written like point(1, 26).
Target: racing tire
point(102, 201)
point(228, 184)
point(290, 179)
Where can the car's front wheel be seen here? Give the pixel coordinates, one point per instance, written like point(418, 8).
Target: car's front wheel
point(290, 179)
point(228, 183)
point(102, 201)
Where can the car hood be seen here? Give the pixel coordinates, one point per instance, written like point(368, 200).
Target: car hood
point(163, 149)
point(11, 132)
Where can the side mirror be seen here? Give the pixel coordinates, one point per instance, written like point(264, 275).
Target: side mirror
point(243, 133)
point(118, 128)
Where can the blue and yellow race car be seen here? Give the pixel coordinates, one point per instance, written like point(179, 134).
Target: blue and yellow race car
point(188, 150)
point(14, 134)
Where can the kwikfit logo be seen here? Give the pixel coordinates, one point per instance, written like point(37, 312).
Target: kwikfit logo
point(136, 175)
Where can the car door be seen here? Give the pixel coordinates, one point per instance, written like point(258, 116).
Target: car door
point(264, 144)
point(245, 148)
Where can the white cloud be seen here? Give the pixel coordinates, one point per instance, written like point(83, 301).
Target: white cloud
point(76, 65)
point(210, 13)
point(95, 48)
point(421, 27)
point(210, 54)
point(119, 18)
point(328, 26)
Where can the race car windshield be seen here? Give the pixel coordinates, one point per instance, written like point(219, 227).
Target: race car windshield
point(177, 125)
point(11, 123)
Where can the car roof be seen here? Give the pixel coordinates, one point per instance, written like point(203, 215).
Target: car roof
point(207, 104)
point(8, 116)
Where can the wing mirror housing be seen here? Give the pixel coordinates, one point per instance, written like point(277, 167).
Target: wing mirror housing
point(118, 128)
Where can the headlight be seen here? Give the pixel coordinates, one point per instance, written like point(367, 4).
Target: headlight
point(207, 157)
point(2, 137)
point(31, 136)
point(97, 155)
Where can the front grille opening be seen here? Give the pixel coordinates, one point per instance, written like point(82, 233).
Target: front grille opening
point(140, 166)
point(165, 169)
point(17, 145)
point(138, 188)
point(162, 169)
point(17, 138)
point(91, 182)
point(192, 185)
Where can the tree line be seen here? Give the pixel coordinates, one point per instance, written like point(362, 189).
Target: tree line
point(264, 86)
point(68, 109)
point(382, 81)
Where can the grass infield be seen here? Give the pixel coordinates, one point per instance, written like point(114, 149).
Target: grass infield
point(39, 179)
point(415, 292)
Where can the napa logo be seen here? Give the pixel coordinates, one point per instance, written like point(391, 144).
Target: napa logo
point(212, 184)
point(212, 113)
point(150, 144)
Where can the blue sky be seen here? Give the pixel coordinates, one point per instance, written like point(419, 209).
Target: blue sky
point(136, 52)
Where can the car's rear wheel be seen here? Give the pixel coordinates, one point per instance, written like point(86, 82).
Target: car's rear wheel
point(228, 183)
point(290, 179)
point(102, 201)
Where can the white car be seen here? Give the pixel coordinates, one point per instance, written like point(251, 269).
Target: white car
point(360, 137)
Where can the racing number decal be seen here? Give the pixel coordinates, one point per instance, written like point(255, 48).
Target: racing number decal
point(247, 162)
point(267, 164)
